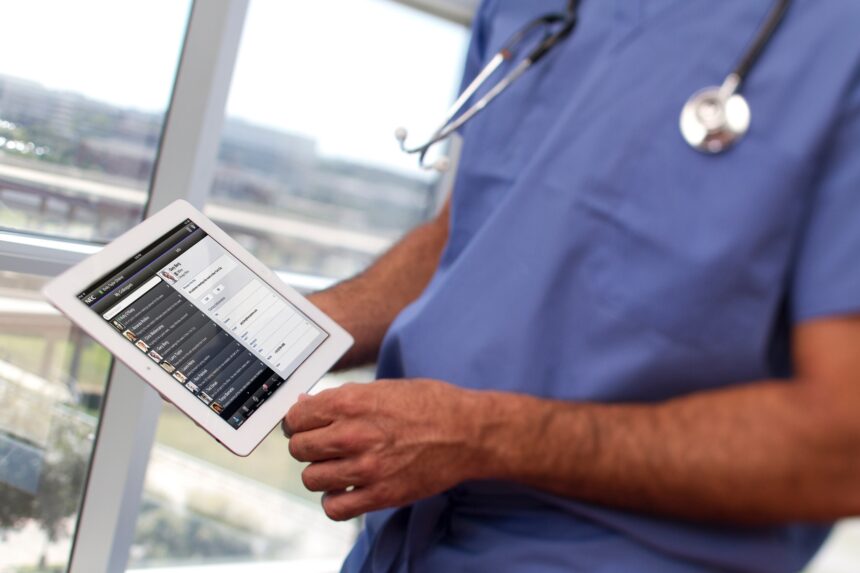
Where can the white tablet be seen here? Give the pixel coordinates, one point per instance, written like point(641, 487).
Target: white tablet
point(203, 322)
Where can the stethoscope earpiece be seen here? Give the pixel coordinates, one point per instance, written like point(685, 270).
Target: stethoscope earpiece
point(441, 165)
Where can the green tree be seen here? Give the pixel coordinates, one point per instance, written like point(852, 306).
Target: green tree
point(163, 534)
point(60, 484)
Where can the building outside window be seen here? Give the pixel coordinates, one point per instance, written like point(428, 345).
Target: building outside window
point(310, 177)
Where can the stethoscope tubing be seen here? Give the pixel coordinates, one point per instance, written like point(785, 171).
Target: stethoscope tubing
point(456, 117)
point(761, 41)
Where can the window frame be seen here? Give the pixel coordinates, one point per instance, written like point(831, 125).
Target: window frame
point(459, 11)
point(184, 170)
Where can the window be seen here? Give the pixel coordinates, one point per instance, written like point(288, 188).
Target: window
point(310, 177)
point(203, 505)
point(52, 378)
point(82, 104)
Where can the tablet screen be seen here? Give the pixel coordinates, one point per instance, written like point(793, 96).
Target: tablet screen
point(207, 320)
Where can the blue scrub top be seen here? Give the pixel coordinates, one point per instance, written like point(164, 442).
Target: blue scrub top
point(594, 256)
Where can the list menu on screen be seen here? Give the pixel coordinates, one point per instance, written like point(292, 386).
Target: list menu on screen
point(207, 320)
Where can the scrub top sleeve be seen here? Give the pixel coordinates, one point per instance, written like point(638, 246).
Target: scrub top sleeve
point(827, 273)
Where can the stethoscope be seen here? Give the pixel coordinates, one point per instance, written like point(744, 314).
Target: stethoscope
point(712, 120)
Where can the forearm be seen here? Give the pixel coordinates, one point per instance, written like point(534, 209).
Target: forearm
point(767, 452)
point(367, 304)
point(764, 453)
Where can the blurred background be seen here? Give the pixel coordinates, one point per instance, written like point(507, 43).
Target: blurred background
point(305, 173)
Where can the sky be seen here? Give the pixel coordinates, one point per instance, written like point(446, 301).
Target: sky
point(344, 72)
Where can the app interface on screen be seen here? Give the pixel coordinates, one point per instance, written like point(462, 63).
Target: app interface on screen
point(207, 320)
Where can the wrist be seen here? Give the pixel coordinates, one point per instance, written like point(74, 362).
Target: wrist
point(332, 304)
point(324, 300)
point(499, 427)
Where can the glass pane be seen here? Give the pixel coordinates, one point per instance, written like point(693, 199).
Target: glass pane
point(83, 94)
point(310, 177)
point(204, 506)
point(52, 379)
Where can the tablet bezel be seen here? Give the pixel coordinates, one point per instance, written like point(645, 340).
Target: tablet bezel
point(63, 292)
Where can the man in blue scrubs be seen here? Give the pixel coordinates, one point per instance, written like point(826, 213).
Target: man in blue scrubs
point(611, 352)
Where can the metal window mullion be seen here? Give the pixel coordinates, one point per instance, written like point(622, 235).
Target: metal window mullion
point(459, 11)
point(27, 254)
point(185, 169)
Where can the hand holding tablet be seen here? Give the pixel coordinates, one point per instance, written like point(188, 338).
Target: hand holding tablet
point(203, 322)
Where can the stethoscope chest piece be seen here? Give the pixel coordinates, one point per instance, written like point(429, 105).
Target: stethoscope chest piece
point(715, 118)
